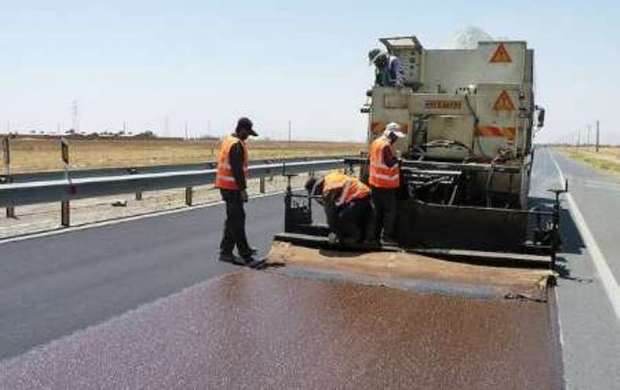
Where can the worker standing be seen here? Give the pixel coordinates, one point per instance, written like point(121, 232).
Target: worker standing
point(389, 69)
point(232, 170)
point(346, 201)
point(384, 180)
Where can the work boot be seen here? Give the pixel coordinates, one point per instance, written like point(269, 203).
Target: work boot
point(232, 259)
point(333, 238)
point(389, 241)
point(250, 261)
point(250, 252)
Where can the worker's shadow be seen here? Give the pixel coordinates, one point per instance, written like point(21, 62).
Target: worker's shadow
point(343, 252)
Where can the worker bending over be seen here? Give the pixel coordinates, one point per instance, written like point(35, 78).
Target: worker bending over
point(384, 180)
point(346, 201)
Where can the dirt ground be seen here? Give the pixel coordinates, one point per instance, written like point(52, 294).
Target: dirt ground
point(32, 155)
point(607, 158)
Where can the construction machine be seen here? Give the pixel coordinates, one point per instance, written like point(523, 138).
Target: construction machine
point(469, 117)
point(466, 225)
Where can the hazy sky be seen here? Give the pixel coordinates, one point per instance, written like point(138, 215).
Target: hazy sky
point(211, 61)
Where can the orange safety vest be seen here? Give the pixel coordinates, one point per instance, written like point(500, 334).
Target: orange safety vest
point(382, 176)
point(352, 188)
point(224, 178)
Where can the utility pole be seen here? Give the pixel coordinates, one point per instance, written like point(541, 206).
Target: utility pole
point(186, 133)
point(578, 137)
point(289, 132)
point(75, 113)
point(597, 135)
point(124, 127)
point(589, 128)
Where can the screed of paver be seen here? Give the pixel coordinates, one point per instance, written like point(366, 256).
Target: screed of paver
point(265, 330)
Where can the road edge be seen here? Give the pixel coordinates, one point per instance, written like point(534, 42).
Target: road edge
point(610, 285)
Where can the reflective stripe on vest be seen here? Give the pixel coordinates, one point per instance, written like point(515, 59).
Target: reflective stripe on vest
point(352, 188)
point(224, 178)
point(382, 176)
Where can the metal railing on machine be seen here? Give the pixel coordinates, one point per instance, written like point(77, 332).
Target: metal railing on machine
point(65, 190)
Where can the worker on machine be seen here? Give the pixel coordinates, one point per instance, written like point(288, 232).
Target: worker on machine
point(232, 170)
point(384, 180)
point(346, 201)
point(388, 69)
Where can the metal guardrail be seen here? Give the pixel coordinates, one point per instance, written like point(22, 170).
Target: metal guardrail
point(17, 194)
point(132, 170)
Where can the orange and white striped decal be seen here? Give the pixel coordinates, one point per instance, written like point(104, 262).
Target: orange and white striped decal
point(379, 127)
point(495, 131)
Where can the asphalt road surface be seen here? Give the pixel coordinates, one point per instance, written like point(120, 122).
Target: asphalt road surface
point(53, 286)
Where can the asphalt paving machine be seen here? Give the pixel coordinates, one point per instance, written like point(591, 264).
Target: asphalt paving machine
point(466, 226)
point(469, 117)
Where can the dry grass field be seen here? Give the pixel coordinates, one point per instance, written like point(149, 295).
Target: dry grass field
point(608, 158)
point(31, 155)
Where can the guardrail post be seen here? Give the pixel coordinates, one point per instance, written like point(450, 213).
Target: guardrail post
point(189, 196)
point(6, 153)
point(65, 207)
point(133, 171)
point(65, 213)
point(261, 185)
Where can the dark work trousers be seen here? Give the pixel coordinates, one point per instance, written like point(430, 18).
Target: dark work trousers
point(234, 227)
point(384, 202)
point(351, 222)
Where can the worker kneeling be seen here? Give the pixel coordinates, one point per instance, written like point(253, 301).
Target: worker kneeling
point(347, 205)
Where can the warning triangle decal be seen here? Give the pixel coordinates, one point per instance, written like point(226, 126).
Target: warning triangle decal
point(501, 55)
point(504, 103)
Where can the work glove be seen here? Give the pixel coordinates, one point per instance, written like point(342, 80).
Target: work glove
point(244, 196)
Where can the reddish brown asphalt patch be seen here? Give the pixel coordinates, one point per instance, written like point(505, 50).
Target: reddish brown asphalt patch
point(402, 269)
point(264, 330)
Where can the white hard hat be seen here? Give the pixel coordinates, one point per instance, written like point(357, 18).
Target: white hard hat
point(393, 128)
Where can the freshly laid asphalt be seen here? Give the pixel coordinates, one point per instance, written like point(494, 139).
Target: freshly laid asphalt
point(264, 330)
point(54, 286)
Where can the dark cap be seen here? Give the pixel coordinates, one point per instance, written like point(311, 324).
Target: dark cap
point(373, 55)
point(314, 186)
point(247, 124)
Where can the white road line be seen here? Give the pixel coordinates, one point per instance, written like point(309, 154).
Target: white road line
point(121, 220)
point(610, 285)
